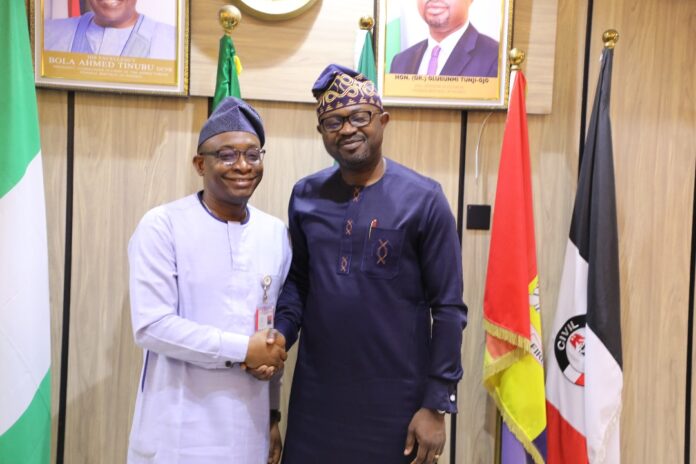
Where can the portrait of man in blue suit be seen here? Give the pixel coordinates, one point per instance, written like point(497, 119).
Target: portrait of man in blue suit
point(453, 48)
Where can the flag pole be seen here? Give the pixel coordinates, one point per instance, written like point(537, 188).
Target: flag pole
point(517, 57)
point(366, 63)
point(229, 66)
point(366, 23)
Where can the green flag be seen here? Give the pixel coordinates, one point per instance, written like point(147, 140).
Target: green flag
point(229, 67)
point(25, 340)
point(366, 65)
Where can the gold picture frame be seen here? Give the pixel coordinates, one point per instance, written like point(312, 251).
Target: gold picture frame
point(137, 46)
point(474, 71)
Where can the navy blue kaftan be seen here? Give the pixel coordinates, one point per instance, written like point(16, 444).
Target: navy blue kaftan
point(370, 266)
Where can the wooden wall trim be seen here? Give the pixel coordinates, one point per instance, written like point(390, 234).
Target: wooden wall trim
point(53, 126)
point(688, 429)
point(67, 279)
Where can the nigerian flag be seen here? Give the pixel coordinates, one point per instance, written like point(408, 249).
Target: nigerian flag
point(366, 62)
point(228, 71)
point(25, 358)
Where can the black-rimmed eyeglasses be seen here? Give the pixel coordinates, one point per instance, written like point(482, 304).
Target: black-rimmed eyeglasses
point(357, 119)
point(229, 156)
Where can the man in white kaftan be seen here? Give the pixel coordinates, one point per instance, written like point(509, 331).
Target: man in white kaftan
point(200, 269)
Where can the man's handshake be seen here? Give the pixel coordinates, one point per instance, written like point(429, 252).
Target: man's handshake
point(266, 354)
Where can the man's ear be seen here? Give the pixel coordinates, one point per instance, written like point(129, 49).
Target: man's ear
point(199, 164)
point(384, 118)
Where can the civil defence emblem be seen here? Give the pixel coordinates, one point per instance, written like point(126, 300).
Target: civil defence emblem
point(569, 347)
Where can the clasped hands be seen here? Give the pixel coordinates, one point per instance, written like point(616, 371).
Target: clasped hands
point(265, 354)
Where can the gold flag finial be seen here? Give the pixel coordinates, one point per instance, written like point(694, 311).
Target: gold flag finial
point(516, 59)
point(610, 37)
point(366, 23)
point(229, 17)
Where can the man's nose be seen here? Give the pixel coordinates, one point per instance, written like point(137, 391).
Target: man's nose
point(347, 127)
point(241, 164)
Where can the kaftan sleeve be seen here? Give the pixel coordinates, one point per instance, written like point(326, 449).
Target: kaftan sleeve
point(154, 299)
point(292, 300)
point(276, 381)
point(440, 257)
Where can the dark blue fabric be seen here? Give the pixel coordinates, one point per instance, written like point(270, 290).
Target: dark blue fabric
point(327, 76)
point(367, 360)
point(232, 114)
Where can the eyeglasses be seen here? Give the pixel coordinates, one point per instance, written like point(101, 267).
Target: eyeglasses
point(357, 119)
point(229, 156)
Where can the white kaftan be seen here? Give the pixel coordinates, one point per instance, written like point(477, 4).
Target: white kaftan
point(195, 284)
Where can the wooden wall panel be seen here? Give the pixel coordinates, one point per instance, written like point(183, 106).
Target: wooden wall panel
point(535, 34)
point(553, 144)
point(427, 141)
point(131, 153)
point(476, 421)
point(281, 59)
point(652, 107)
point(53, 124)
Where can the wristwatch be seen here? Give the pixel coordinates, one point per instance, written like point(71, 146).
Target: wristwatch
point(275, 415)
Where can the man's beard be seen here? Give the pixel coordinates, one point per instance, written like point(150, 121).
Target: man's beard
point(439, 20)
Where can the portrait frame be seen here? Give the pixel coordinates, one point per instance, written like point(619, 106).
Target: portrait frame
point(150, 56)
point(465, 78)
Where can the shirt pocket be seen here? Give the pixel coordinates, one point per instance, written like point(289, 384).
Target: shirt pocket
point(382, 253)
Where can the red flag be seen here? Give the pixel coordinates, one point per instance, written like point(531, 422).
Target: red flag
point(513, 361)
point(512, 255)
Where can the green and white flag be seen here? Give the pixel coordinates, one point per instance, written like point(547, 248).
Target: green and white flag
point(25, 356)
point(366, 59)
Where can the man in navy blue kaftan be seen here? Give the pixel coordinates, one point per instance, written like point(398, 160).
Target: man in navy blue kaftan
point(375, 288)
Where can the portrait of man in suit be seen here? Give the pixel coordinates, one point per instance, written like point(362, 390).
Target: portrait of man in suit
point(454, 47)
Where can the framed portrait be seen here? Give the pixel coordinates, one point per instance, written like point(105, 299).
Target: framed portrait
point(136, 46)
point(444, 53)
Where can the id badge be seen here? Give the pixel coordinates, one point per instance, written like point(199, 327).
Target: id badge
point(265, 311)
point(264, 317)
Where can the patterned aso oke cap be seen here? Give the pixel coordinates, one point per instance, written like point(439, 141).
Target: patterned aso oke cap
point(232, 114)
point(338, 87)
